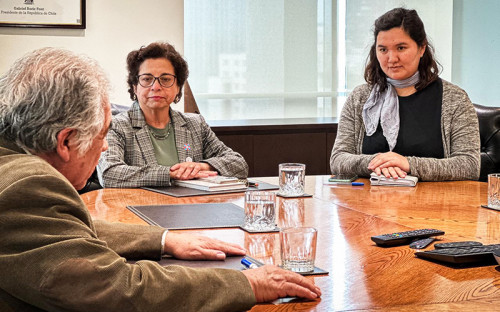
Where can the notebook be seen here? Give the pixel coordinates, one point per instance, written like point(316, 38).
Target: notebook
point(211, 185)
point(180, 191)
point(382, 180)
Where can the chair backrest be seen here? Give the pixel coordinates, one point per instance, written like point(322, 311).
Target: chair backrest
point(489, 132)
point(189, 100)
point(93, 181)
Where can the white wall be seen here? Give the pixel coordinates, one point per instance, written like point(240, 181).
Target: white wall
point(114, 28)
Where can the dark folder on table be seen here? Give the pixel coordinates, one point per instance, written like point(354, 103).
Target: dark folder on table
point(231, 262)
point(199, 216)
point(192, 216)
point(179, 191)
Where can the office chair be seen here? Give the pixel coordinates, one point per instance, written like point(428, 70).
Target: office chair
point(489, 132)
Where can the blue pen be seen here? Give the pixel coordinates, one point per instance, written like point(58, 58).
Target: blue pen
point(357, 183)
point(247, 264)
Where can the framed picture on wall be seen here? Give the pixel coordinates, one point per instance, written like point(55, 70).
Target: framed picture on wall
point(43, 13)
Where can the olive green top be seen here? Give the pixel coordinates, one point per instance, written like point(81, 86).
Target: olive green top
point(163, 141)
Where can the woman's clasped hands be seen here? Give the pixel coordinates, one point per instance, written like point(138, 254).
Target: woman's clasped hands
point(191, 170)
point(390, 165)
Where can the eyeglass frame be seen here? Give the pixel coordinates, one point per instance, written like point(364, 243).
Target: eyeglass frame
point(156, 79)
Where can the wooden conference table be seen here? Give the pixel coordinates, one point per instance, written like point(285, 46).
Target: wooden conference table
point(362, 275)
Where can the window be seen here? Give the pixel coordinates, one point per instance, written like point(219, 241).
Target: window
point(264, 59)
point(253, 59)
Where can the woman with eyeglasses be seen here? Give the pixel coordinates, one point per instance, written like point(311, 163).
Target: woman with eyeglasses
point(152, 144)
point(406, 120)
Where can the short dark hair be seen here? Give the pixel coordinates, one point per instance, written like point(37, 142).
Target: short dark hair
point(153, 51)
point(411, 23)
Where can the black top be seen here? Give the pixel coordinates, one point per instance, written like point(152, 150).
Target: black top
point(419, 126)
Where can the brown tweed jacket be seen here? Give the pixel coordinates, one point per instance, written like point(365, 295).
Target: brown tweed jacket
point(53, 257)
point(459, 133)
point(130, 160)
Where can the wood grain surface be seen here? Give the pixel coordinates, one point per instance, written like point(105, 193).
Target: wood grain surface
point(363, 277)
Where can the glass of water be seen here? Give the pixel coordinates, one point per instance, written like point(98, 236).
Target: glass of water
point(292, 179)
point(494, 191)
point(298, 248)
point(260, 210)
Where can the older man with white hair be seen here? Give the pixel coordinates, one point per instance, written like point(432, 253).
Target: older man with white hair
point(54, 116)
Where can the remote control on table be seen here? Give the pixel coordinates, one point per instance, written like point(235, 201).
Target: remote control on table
point(464, 255)
point(457, 244)
point(402, 238)
point(422, 243)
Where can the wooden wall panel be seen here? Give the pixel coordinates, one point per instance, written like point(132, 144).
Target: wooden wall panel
point(266, 143)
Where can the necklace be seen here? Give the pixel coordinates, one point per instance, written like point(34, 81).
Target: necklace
point(159, 136)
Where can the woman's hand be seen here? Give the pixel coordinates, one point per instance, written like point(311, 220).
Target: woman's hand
point(390, 164)
point(191, 170)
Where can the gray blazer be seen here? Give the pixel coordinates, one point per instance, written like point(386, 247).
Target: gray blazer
point(459, 133)
point(130, 159)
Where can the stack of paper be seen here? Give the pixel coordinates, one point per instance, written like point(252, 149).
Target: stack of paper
point(219, 179)
point(218, 183)
point(382, 180)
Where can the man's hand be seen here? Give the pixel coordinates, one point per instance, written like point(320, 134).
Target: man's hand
point(390, 164)
point(270, 282)
point(193, 247)
point(191, 170)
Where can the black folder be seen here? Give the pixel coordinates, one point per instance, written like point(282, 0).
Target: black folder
point(191, 216)
point(231, 262)
point(179, 191)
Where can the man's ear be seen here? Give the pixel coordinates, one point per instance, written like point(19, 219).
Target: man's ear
point(64, 145)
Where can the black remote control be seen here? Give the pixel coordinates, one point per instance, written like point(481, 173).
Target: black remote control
point(457, 245)
point(422, 243)
point(402, 238)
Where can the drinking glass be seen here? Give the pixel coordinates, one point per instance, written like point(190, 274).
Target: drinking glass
point(494, 191)
point(292, 179)
point(260, 211)
point(298, 248)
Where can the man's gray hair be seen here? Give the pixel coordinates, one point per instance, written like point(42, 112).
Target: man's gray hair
point(49, 90)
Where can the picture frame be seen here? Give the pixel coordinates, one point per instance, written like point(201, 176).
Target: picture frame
point(43, 13)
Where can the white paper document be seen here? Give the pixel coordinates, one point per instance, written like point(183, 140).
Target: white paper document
point(382, 180)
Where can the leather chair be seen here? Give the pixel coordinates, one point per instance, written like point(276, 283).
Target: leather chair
point(489, 132)
point(93, 181)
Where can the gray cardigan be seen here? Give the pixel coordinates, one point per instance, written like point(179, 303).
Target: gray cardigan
point(130, 160)
point(459, 133)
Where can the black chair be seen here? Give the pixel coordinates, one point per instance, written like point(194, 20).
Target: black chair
point(489, 132)
point(93, 181)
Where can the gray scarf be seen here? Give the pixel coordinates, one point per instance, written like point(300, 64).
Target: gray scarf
point(384, 106)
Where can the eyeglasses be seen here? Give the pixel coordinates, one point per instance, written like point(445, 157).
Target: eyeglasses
point(165, 80)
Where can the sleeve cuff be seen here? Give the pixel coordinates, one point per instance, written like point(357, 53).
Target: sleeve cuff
point(163, 238)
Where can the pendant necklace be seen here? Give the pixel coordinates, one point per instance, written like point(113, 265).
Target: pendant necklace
point(159, 136)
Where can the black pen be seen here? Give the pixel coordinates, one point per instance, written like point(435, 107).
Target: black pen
point(253, 184)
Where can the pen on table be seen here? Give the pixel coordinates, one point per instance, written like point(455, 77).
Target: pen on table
point(247, 264)
point(357, 183)
point(254, 184)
